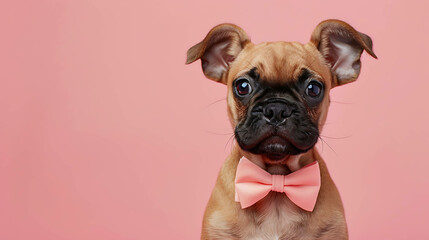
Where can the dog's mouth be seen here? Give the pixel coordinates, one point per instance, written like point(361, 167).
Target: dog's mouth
point(274, 147)
point(276, 143)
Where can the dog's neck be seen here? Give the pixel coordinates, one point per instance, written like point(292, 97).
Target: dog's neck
point(283, 167)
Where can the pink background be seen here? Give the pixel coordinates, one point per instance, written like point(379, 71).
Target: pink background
point(106, 134)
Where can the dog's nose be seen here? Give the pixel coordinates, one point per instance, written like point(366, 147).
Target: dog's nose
point(276, 112)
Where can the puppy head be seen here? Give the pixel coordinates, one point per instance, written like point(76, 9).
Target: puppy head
point(278, 92)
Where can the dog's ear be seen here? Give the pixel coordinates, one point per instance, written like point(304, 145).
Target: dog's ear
point(341, 46)
point(218, 50)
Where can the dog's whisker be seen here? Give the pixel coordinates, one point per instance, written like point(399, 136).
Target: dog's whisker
point(232, 143)
point(229, 140)
point(336, 137)
point(228, 133)
point(217, 101)
point(341, 102)
point(328, 145)
point(322, 145)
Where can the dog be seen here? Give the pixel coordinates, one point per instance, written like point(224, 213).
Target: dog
point(278, 99)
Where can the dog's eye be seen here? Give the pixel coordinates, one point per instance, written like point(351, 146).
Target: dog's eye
point(242, 86)
point(314, 89)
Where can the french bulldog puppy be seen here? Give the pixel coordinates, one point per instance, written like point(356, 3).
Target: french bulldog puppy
point(278, 100)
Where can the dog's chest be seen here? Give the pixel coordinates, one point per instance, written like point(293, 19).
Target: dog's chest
point(274, 217)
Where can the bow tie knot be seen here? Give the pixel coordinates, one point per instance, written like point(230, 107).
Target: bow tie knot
point(252, 184)
point(278, 182)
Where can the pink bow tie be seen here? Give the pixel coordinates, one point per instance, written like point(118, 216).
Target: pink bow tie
point(253, 183)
